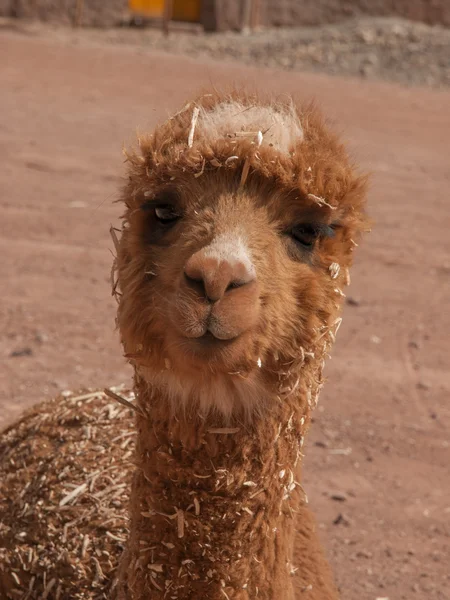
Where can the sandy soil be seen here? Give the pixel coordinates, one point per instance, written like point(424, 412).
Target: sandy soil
point(378, 459)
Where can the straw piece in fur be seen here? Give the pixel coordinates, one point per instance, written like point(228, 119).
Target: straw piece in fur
point(195, 114)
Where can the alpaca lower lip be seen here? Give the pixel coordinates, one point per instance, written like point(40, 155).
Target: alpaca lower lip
point(209, 338)
point(209, 342)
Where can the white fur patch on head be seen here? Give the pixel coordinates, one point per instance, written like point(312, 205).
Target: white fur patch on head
point(230, 247)
point(276, 126)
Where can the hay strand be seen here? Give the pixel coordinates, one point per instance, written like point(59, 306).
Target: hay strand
point(224, 430)
point(73, 494)
point(115, 239)
point(321, 201)
point(123, 401)
point(334, 269)
point(195, 114)
point(180, 523)
point(245, 170)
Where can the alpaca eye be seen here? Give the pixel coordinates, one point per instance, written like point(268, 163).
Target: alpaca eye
point(305, 235)
point(166, 215)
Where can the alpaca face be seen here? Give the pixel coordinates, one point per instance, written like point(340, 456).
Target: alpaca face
point(226, 281)
point(228, 276)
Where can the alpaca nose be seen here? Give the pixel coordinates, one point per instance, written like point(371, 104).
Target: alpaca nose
point(213, 277)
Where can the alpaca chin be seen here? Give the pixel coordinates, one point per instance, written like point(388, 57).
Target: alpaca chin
point(227, 396)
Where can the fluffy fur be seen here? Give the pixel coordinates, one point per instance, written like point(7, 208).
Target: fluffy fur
point(217, 487)
point(279, 125)
point(300, 297)
point(71, 552)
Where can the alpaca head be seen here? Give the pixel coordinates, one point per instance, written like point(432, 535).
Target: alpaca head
point(238, 232)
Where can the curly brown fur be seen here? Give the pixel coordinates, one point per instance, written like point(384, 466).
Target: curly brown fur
point(52, 451)
point(298, 297)
point(219, 445)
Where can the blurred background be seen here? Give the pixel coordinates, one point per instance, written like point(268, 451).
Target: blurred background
point(78, 78)
point(402, 40)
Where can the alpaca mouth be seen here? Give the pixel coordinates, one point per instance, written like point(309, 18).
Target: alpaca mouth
point(210, 340)
point(212, 329)
point(208, 351)
point(218, 331)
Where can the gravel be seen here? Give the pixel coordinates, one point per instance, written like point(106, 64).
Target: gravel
point(383, 48)
point(392, 49)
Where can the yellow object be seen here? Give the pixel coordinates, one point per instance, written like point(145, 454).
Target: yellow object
point(147, 8)
point(183, 10)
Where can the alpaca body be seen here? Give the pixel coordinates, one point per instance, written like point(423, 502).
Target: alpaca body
point(64, 443)
point(225, 525)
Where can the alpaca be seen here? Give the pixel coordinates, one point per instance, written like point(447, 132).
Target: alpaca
point(240, 222)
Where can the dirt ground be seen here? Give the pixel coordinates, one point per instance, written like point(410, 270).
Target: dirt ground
point(389, 49)
point(377, 467)
point(228, 13)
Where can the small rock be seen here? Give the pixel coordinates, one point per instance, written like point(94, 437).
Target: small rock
point(60, 385)
point(41, 338)
point(320, 444)
point(365, 70)
point(21, 352)
point(351, 301)
point(423, 385)
point(375, 339)
point(342, 519)
point(371, 59)
point(338, 496)
point(367, 36)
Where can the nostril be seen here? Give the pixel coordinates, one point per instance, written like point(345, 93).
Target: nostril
point(195, 282)
point(212, 278)
point(235, 284)
point(193, 278)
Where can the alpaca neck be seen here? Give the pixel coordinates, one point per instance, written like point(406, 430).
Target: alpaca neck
point(213, 507)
